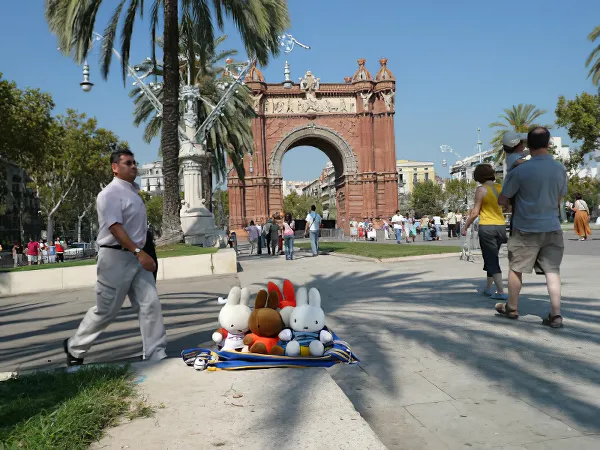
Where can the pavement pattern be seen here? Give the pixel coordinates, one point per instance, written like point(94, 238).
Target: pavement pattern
point(439, 369)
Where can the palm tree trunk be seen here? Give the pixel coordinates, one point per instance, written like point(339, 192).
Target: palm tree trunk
point(171, 223)
point(207, 180)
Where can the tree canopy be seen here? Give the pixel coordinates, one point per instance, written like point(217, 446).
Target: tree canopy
point(299, 205)
point(458, 193)
point(25, 121)
point(428, 198)
point(76, 162)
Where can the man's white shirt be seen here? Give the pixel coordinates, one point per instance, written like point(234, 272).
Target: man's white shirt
point(398, 220)
point(120, 202)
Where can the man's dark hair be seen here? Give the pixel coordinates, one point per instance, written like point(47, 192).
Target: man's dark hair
point(397, 211)
point(538, 138)
point(578, 196)
point(115, 156)
point(313, 208)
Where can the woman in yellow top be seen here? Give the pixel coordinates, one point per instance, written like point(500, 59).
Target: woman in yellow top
point(492, 228)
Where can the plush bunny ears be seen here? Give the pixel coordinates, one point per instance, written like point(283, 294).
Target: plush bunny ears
point(288, 298)
point(236, 296)
point(312, 297)
point(266, 300)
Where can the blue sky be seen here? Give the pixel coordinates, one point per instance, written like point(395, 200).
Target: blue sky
point(457, 64)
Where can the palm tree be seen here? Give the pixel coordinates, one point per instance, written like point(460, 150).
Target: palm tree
point(231, 135)
point(520, 119)
point(260, 23)
point(594, 58)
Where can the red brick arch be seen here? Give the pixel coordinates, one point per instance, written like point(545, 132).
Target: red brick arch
point(352, 123)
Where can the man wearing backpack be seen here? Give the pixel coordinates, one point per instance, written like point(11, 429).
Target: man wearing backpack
point(313, 222)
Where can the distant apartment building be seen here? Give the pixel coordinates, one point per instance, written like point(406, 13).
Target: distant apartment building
point(294, 186)
point(323, 187)
point(412, 172)
point(151, 177)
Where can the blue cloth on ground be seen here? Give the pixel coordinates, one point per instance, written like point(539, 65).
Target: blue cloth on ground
point(339, 352)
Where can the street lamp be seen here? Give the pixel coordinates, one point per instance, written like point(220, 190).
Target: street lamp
point(447, 149)
point(86, 84)
point(479, 143)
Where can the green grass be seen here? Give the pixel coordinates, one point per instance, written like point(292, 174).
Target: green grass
point(81, 262)
point(166, 251)
point(381, 251)
point(55, 409)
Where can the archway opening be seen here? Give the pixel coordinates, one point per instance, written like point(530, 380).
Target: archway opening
point(311, 171)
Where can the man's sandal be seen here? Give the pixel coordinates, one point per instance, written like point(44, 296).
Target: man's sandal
point(506, 311)
point(553, 321)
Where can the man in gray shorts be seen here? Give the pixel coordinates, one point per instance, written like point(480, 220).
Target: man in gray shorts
point(536, 188)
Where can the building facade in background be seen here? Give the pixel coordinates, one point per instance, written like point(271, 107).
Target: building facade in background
point(294, 186)
point(22, 206)
point(151, 177)
point(324, 189)
point(412, 172)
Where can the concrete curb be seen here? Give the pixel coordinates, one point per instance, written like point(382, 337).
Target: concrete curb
point(224, 261)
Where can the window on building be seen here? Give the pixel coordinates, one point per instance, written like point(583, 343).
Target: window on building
point(415, 178)
point(401, 178)
point(426, 176)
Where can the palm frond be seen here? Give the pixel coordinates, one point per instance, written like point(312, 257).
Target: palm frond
point(594, 58)
point(110, 33)
point(126, 34)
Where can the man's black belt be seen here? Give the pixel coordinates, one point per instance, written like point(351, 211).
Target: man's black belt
point(115, 247)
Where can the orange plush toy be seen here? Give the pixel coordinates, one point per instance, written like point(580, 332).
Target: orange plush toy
point(265, 325)
point(287, 300)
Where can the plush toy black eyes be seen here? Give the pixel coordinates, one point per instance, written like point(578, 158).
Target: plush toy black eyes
point(316, 322)
point(295, 320)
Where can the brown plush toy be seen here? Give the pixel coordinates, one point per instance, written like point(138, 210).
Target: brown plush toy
point(265, 325)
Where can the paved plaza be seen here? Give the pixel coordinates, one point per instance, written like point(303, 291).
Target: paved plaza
point(439, 370)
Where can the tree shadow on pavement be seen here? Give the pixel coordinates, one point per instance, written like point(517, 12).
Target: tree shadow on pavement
point(429, 324)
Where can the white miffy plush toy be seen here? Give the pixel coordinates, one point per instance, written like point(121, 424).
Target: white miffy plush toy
point(308, 334)
point(233, 319)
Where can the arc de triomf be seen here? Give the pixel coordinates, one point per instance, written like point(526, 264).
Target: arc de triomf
point(351, 122)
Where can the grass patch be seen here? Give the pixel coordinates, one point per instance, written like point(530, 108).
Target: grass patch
point(381, 251)
point(80, 262)
point(55, 409)
point(166, 251)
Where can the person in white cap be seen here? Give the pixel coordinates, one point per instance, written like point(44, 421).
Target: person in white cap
point(514, 146)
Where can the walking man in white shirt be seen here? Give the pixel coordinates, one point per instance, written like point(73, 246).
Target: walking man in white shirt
point(123, 268)
point(313, 221)
point(397, 221)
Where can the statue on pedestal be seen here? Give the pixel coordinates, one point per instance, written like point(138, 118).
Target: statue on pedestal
point(197, 222)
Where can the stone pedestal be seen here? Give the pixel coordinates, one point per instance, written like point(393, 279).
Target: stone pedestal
point(197, 222)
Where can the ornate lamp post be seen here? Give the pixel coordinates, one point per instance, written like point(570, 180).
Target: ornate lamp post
point(197, 221)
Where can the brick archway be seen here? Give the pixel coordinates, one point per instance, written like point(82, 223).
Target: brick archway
point(325, 139)
point(351, 122)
